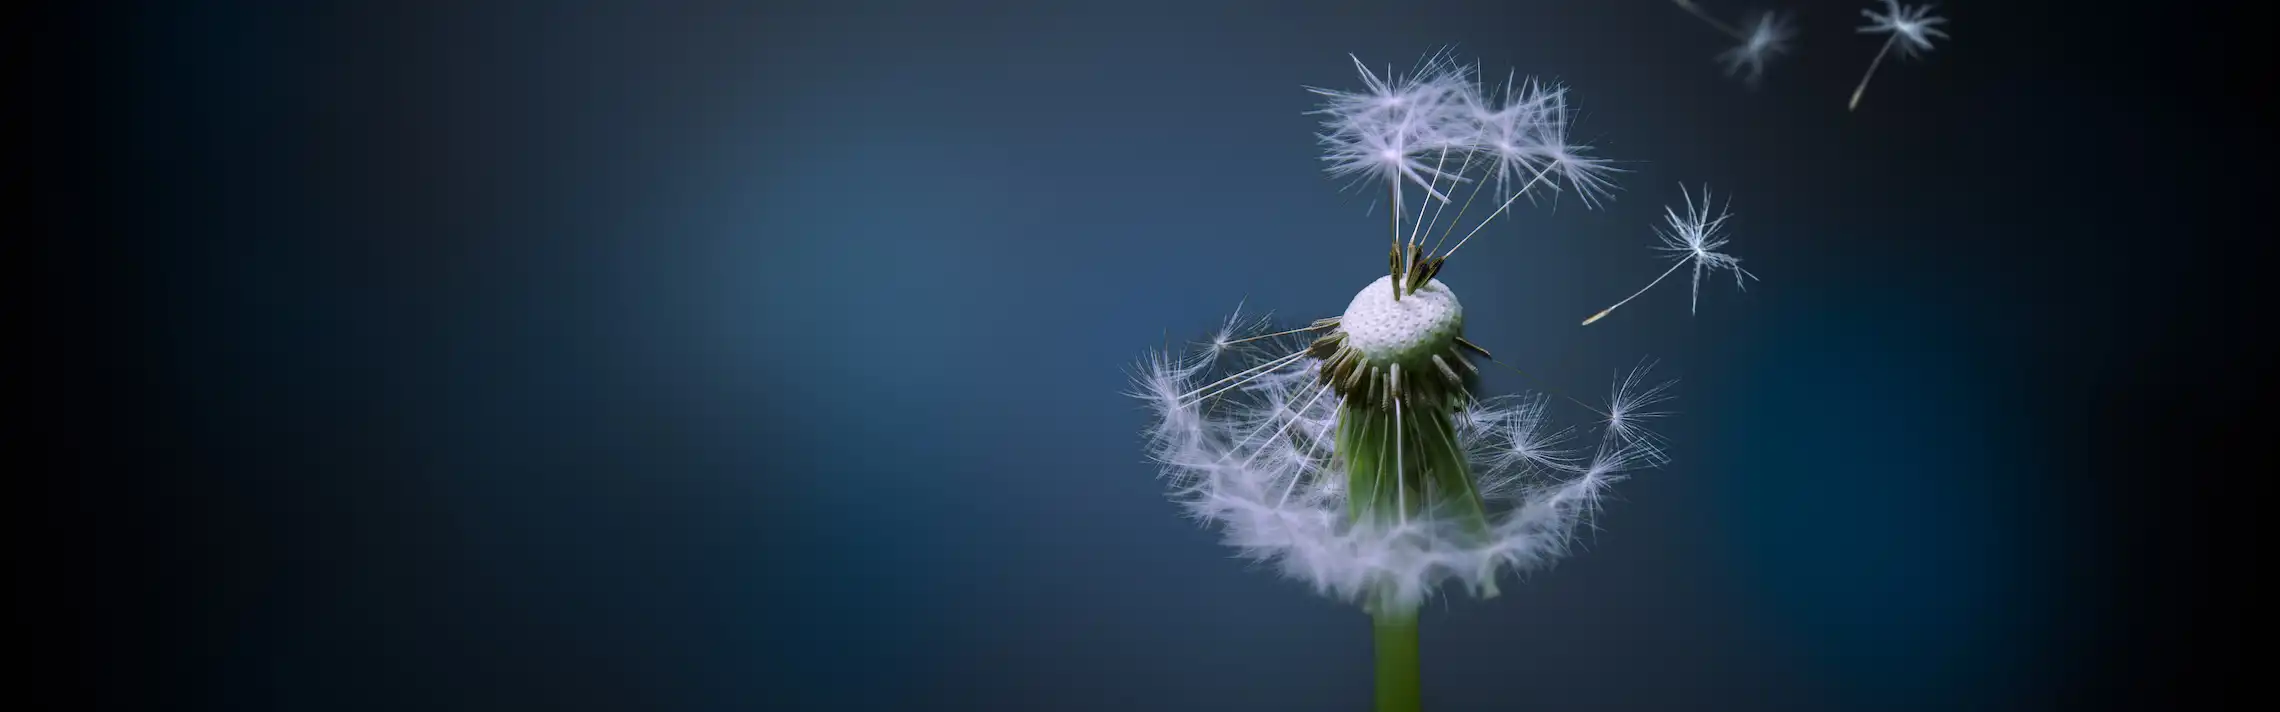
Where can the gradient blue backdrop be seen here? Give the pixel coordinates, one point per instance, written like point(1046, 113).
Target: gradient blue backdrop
point(731, 356)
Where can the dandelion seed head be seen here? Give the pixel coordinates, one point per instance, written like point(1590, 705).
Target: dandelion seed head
point(1697, 236)
point(1912, 26)
point(1632, 405)
point(1693, 238)
point(1769, 36)
point(1352, 453)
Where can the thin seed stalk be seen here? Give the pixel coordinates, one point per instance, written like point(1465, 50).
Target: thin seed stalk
point(1871, 73)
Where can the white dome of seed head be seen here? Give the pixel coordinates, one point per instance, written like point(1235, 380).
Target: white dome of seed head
point(1407, 330)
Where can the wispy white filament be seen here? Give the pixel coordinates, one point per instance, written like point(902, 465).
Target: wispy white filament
point(1768, 37)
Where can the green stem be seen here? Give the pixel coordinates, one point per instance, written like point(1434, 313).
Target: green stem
point(1388, 477)
point(1397, 688)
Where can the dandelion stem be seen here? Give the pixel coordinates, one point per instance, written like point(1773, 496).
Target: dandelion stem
point(1634, 295)
point(1855, 103)
point(1397, 668)
point(1722, 27)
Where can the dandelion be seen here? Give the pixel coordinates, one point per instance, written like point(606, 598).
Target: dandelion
point(1695, 238)
point(1768, 36)
point(1391, 130)
point(1910, 28)
point(1586, 176)
point(1353, 452)
point(1630, 406)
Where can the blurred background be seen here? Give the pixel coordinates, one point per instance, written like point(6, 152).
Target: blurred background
point(730, 356)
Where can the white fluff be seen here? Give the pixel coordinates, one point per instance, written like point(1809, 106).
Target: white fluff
point(1430, 127)
point(1913, 26)
point(1257, 462)
point(1907, 28)
point(1768, 37)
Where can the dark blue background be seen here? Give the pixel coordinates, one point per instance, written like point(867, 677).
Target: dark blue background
point(729, 356)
